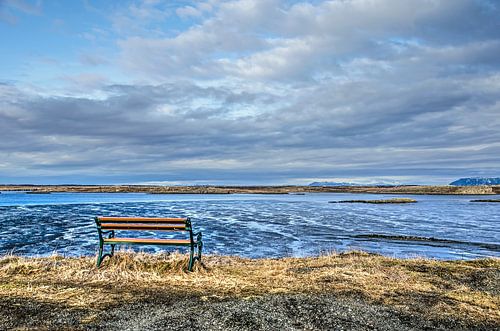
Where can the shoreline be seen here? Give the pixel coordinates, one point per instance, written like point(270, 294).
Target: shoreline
point(353, 290)
point(151, 189)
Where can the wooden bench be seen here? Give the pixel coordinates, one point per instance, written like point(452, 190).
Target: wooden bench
point(106, 227)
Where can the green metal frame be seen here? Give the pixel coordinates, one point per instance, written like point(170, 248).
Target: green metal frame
point(194, 244)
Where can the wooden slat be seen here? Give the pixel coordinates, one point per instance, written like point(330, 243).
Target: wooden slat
point(142, 219)
point(147, 227)
point(147, 241)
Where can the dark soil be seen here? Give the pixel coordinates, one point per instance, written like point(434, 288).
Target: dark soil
point(270, 312)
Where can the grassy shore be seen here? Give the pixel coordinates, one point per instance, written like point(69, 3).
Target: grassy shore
point(210, 189)
point(150, 291)
point(383, 201)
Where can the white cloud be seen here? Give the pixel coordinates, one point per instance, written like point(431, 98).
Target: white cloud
point(188, 11)
point(266, 40)
point(324, 89)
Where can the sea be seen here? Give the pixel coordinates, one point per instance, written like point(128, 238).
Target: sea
point(444, 227)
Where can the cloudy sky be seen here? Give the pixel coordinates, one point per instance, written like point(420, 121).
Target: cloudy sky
point(249, 92)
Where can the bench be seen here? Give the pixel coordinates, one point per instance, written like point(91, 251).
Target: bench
point(106, 227)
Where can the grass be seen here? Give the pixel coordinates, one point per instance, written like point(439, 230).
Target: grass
point(393, 200)
point(468, 290)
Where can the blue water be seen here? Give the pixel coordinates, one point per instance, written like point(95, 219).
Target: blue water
point(442, 227)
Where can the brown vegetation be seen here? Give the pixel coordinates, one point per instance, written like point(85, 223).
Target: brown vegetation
point(394, 200)
point(465, 290)
point(404, 189)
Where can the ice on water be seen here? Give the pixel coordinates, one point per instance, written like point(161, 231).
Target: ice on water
point(259, 225)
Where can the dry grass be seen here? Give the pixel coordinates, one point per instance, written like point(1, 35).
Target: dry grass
point(468, 290)
point(406, 189)
point(393, 200)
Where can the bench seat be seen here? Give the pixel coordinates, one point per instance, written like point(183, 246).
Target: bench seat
point(175, 242)
point(142, 219)
point(146, 227)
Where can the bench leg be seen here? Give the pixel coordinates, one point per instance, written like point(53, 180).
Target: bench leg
point(200, 246)
point(199, 243)
point(99, 256)
point(191, 259)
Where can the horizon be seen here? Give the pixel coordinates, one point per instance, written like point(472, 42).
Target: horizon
point(327, 183)
point(249, 92)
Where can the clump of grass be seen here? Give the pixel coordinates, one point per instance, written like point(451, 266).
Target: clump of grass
point(393, 200)
point(461, 289)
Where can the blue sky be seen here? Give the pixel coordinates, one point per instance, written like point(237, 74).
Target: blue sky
point(249, 92)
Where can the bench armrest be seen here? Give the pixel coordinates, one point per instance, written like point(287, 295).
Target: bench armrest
point(198, 236)
point(111, 233)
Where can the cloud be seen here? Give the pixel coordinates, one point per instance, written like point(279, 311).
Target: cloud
point(174, 128)
point(33, 7)
point(188, 11)
point(271, 40)
point(92, 59)
point(85, 82)
point(271, 91)
point(9, 9)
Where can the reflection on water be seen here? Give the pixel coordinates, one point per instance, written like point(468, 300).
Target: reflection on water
point(444, 227)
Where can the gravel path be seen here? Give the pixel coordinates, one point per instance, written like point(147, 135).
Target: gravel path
point(272, 312)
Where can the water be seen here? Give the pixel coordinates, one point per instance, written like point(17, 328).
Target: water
point(442, 227)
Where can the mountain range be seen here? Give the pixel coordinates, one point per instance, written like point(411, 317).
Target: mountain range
point(476, 181)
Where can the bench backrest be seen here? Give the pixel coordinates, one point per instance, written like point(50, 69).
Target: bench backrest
point(143, 223)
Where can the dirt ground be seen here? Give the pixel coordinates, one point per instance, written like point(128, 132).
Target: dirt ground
point(270, 312)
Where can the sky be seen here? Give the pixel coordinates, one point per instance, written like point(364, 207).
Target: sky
point(249, 92)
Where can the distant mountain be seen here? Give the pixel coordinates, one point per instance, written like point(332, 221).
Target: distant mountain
point(350, 184)
point(476, 181)
point(332, 184)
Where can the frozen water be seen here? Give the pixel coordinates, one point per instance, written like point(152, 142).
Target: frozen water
point(442, 227)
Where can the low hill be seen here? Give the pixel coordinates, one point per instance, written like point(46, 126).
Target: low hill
point(476, 181)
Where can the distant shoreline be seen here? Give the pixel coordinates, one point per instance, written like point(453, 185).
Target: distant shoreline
point(152, 189)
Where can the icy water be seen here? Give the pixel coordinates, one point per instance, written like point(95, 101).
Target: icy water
point(442, 227)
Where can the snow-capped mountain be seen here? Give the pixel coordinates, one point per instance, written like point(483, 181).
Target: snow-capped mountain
point(475, 181)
